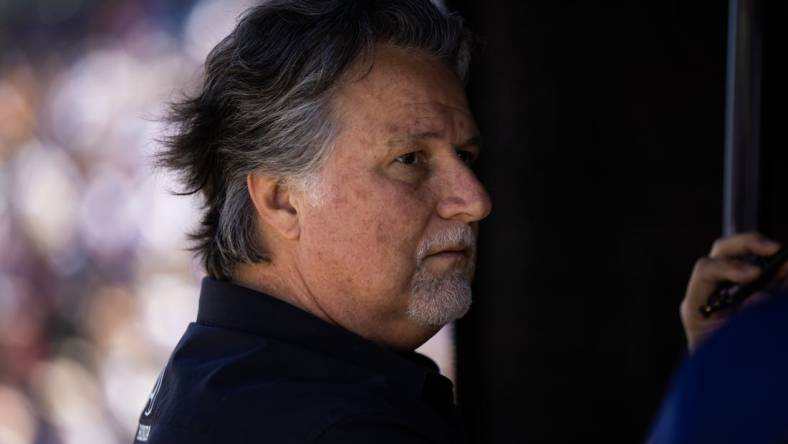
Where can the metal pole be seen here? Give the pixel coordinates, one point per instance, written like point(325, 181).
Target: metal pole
point(742, 118)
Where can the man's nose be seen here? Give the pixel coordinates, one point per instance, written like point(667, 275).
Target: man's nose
point(462, 196)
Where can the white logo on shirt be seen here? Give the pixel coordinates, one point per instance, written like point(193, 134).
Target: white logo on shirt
point(152, 397)
point(143, 432)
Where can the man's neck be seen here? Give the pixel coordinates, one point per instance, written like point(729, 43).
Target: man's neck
point(286, 283)
point(280, 282)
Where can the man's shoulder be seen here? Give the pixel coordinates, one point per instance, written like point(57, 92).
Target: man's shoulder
point(263, 388)
point(347, 428)
point(287, 410)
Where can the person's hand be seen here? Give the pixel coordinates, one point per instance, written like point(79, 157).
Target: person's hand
point(724, 263)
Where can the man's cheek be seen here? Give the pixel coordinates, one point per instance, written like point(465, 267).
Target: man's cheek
point(398, 222)
point(393, 240)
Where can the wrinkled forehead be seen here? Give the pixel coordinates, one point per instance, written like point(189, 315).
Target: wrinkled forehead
point(427, 120)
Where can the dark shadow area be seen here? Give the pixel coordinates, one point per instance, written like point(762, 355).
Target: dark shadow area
point(774, 211)
point(603, 154)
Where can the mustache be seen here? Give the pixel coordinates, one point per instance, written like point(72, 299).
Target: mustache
point(460, 236)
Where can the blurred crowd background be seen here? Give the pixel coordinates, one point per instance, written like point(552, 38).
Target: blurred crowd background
point(96, 282)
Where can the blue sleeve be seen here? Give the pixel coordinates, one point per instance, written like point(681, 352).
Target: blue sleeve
point(735, 388)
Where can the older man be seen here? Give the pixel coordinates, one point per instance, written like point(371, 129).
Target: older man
point(331, 142)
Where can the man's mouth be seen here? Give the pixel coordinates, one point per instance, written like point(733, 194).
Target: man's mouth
point(450, 254)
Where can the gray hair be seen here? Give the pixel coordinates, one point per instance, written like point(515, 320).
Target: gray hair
point(439, 299)
point(265, 104)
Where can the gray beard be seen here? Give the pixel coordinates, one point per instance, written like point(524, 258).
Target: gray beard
point(437, 300)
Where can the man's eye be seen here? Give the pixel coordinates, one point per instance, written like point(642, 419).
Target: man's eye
point(466, 156)
point(409, 159)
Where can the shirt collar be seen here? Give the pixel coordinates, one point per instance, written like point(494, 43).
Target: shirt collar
point(227, 305)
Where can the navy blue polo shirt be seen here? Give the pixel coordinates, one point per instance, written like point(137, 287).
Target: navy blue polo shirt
point(254, 369)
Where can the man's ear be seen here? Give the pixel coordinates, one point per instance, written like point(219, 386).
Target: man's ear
point(273, 202)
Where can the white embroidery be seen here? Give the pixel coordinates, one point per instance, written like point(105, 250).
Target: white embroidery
point(152, 397)
point(143, 432)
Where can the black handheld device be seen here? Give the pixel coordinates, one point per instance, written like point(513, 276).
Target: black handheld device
point(730, 295)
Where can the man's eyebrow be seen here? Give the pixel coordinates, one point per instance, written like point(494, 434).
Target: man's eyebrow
point(475, 140)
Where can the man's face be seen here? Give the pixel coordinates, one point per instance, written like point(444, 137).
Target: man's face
point(389, 251)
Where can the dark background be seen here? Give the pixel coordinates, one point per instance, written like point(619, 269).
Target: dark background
point(603, 155)
point(603, 133)
point(774, 213)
